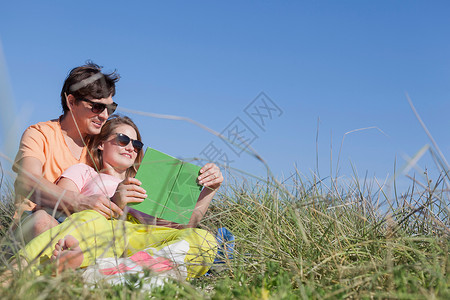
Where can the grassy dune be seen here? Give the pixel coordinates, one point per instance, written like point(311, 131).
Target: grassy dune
point(304, 240)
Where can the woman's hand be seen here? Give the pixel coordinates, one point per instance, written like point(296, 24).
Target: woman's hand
point(210, 176)
point(129, 191)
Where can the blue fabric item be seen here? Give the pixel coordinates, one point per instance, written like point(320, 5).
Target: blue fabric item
point(225, 239)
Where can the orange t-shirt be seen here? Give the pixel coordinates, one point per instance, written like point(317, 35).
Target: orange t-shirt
point(45, 141)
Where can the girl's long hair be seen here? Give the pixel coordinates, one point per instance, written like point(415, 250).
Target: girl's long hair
point(97, 158)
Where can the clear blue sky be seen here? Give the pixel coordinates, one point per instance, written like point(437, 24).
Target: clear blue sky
point(347, 64)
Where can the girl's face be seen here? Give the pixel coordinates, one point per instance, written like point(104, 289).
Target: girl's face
point(116, 158)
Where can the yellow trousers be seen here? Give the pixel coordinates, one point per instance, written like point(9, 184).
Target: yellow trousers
point(102, 238)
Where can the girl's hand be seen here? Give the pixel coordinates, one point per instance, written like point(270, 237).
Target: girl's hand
point(210, 176)
point(129, 191)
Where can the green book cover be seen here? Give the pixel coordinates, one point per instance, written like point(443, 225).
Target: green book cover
point(171, 186)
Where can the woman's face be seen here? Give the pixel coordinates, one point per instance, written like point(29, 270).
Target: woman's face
point(115, 156)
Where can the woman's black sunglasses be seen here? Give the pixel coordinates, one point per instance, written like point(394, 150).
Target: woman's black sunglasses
point(98, 108)
point(124, 140)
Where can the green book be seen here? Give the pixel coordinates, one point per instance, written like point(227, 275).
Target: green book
point(171, 186)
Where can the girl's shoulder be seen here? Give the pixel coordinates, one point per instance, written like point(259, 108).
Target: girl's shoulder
point(81, 168)
point(80, 173)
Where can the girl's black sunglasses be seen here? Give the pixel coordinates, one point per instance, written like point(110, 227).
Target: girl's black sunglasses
point(123, 140)
point(98, 108)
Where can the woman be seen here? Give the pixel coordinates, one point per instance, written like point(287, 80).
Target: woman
point(116, 152)
point(88, 235)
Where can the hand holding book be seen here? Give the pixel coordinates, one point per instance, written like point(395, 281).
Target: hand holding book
point(210, 176)
point(174, 188)
point(129, 191)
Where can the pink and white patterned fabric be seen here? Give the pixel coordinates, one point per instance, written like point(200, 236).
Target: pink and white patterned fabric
point(163, 264)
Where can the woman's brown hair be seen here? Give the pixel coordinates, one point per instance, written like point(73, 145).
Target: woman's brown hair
point(113, 122)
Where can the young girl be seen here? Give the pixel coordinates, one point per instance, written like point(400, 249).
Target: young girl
point(88, 235)
point(117, 152)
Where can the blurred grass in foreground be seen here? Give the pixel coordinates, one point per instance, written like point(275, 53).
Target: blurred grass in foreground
point(307, 241)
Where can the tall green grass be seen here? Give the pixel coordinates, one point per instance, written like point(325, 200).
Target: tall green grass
point(301, 240)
